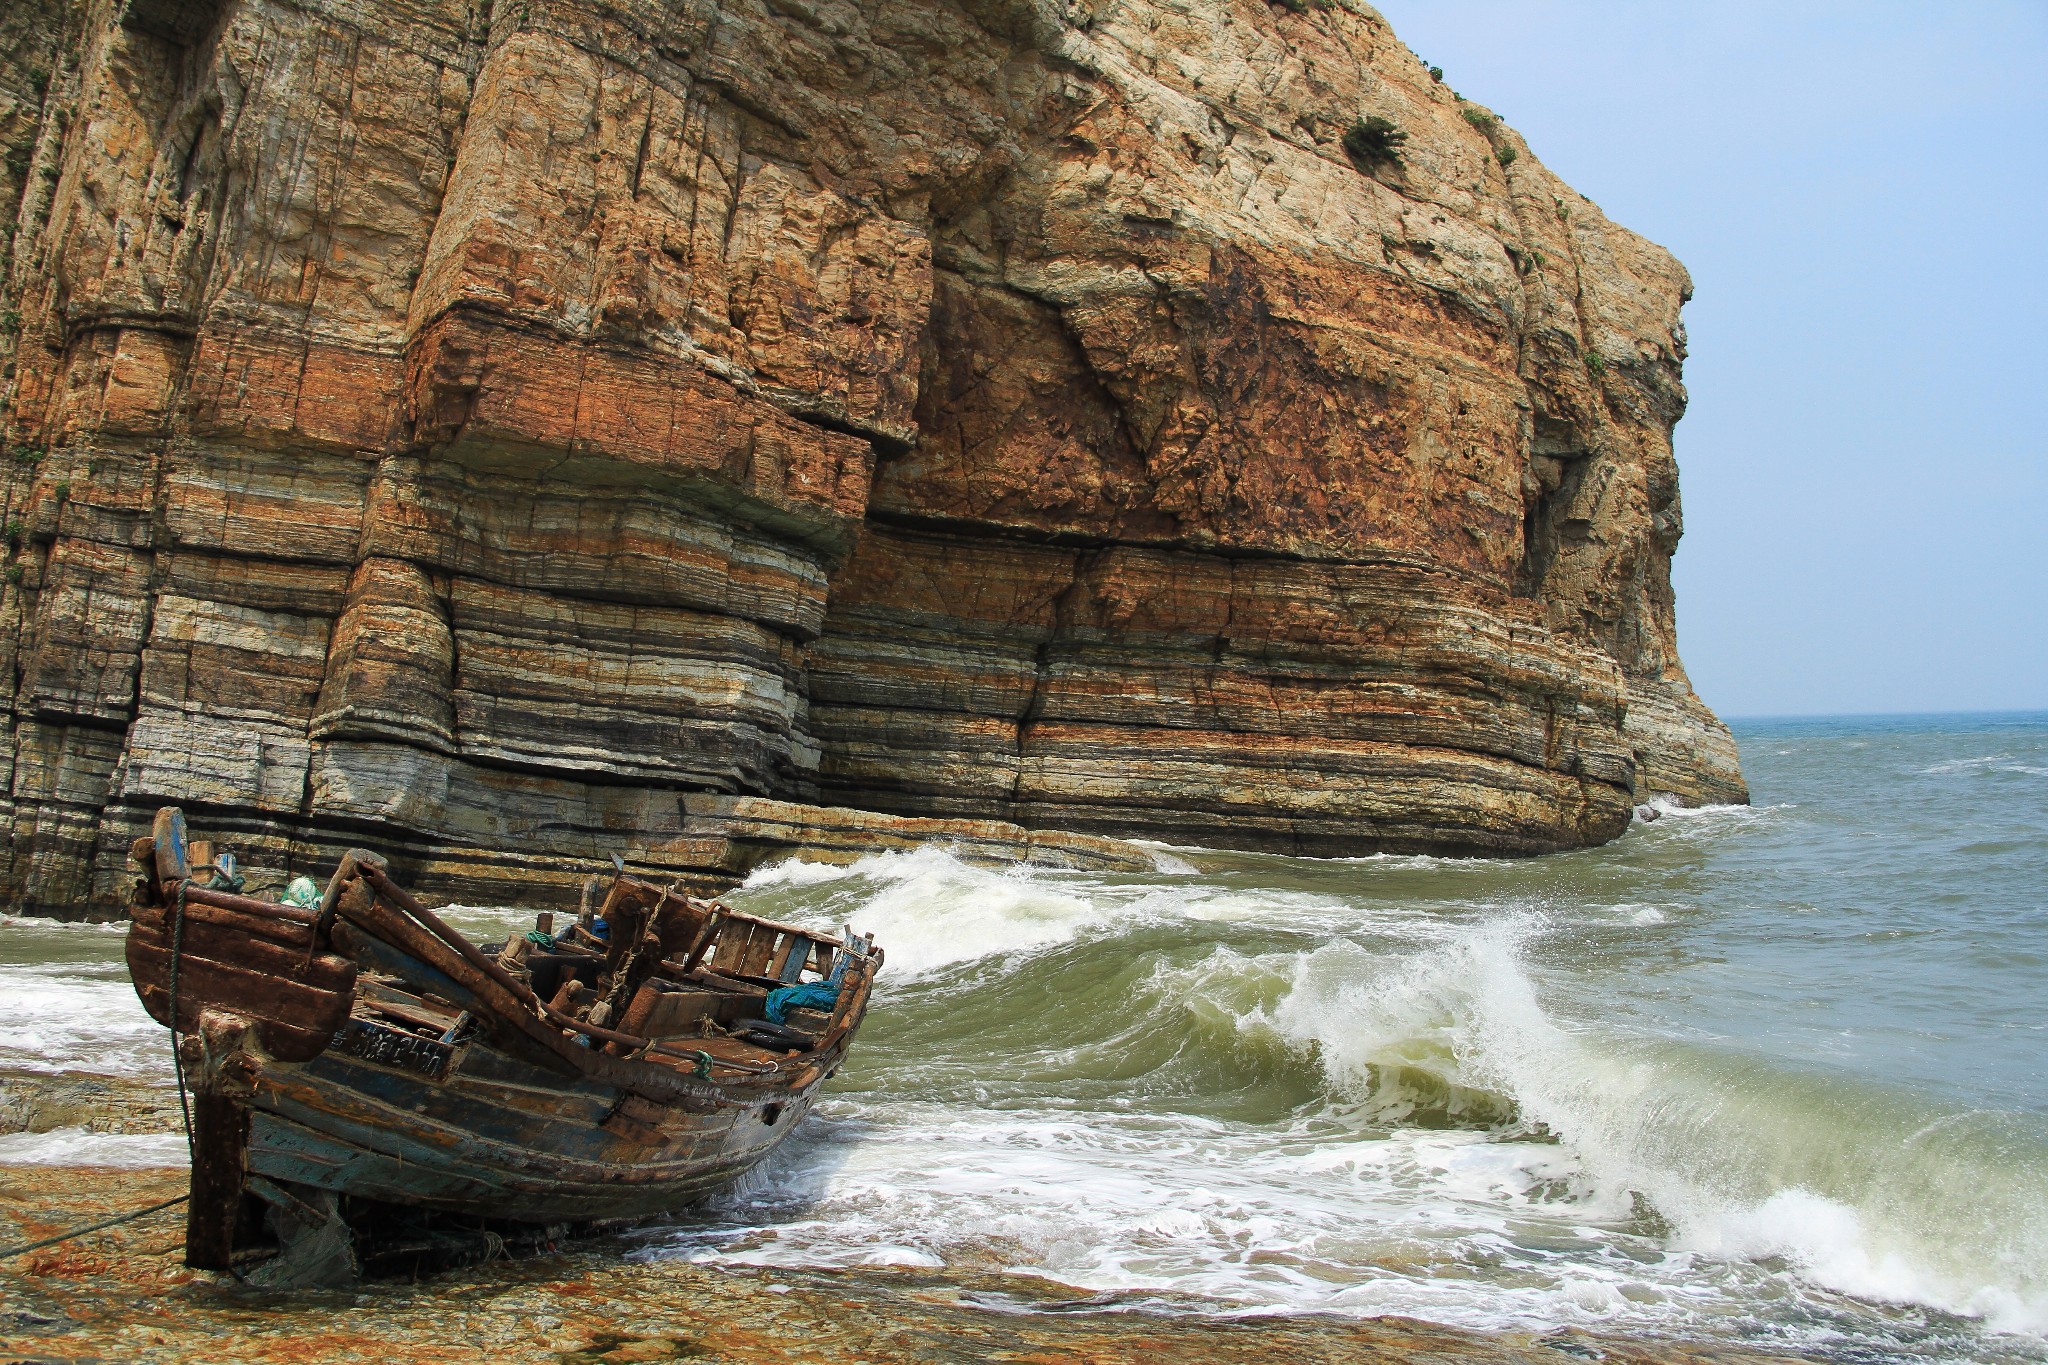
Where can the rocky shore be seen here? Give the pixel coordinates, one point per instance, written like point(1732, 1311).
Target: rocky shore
point(491, 431)
point(123, 1295)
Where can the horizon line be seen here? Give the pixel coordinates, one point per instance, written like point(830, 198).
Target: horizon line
point(1729, 718)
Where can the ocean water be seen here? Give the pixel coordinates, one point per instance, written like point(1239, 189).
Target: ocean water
point(1771, 1074)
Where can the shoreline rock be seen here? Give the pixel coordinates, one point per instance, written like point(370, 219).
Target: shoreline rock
point(124, 1295)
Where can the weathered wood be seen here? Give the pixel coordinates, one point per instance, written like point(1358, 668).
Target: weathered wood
point(248, 905)
point(706, 937)
point(853, 999)
point(440, 930)
point(229, 943)
point(761, 947)
point(220, 1146)
point(784, 952)
point(282, 932)
point(303, 1011)
point(731, 949)
point(167, 836)
point(494, 990)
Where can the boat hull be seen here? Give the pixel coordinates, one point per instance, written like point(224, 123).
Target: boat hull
point(366, 1054)
point(495, 1149)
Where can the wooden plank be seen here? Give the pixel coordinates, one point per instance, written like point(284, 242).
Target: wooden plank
point(227, 943)
point(760, 951)
point(790, 958)
point(248, 905)
point(732, 945)
point(288, 933)
point(207, 984)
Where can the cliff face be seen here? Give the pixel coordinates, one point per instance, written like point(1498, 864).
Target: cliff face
point(472, 428)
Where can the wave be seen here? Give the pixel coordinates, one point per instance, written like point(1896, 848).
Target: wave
point(932, 911)
point(82, 1147)
point(795, 872)
point(927, 907)
point(1860, 1190)
point(77, 1018)
point(1999, 763)
point(68, 927)
point(1352, 1120)
point(1667, 807)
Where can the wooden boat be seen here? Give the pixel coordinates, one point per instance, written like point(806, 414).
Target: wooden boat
point(359, 1059)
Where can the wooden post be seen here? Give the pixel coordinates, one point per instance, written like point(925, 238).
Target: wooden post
point(220, 1155)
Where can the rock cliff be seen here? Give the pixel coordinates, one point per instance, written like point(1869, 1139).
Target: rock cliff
point(509, 431)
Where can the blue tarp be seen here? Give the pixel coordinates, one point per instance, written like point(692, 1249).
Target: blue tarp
point(812, 995)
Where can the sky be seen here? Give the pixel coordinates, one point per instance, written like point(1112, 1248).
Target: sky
point(1861, 193)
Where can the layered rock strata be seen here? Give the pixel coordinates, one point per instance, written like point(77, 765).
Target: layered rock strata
point(484, 431)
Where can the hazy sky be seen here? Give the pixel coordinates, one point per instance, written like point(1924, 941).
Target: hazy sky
point(1860, 190)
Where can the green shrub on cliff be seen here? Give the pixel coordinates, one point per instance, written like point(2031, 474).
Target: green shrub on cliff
point(1374, 141)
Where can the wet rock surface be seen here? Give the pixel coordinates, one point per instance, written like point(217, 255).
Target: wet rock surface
point(123, 1295)
point(42, 1102)
point(472, 430)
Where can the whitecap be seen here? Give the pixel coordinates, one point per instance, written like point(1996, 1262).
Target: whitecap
point(1962, 765)
point(77, 1017)
point(796, 872)
point(80, 1147)
point(67, 927)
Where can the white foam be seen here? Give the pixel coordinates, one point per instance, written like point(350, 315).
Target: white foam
point(1668, 806)
point(79, 1147)
point(795, 872)
point(1104, 1202)
point(79, 1017)
point(929, 909)
point(66, 927)
point(1833, 1244)
point(2002, 763)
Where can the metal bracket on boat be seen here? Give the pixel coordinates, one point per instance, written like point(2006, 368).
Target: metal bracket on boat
point(705, 1061)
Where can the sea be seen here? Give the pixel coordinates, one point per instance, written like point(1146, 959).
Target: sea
point(1772, 1075)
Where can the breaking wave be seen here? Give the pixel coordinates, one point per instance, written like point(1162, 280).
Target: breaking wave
point(1133, 1088)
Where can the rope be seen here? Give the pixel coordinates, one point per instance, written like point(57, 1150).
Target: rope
point(178, 1066)
point(91, 1227)
point(177, 1057)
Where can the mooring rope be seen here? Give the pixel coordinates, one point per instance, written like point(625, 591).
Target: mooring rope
point(91, 1227)
point(177, 1056)
point(184, 1105)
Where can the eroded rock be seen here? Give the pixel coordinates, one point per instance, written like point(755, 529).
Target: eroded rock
point(480, 430)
